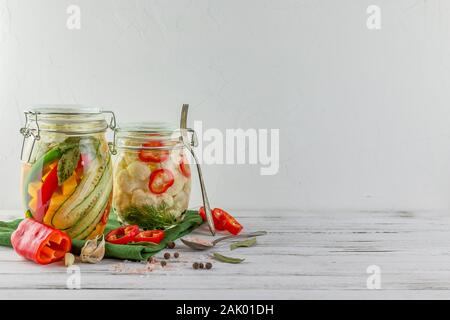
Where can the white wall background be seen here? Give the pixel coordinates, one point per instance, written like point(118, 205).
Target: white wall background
point(364, 115)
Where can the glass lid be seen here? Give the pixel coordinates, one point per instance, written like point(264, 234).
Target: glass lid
point(69, 109)
point(136, 134)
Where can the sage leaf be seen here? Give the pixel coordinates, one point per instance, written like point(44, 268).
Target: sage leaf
point(245, 243)
point(67, 164)
point(69, 143)
point(225, 259)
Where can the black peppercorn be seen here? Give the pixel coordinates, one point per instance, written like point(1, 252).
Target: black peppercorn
point(200, 265)
point(208, 265)
point(176, 254)
point(163, 263)
point(195, 265)
point(171, 245)
point(166, 255)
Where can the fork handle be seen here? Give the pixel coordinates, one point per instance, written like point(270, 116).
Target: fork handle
point(244, 235)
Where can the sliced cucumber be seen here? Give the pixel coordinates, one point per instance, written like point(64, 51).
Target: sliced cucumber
point(86, 196)
point(83, 227)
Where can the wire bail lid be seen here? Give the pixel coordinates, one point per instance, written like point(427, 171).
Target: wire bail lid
point(67, 119)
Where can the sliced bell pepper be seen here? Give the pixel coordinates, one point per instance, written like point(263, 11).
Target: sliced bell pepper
point(153, 155)
point(160, 181)
point(49, 186)
point(40, 243)
point(155, 236)
point(35, 172)
point(122, 235)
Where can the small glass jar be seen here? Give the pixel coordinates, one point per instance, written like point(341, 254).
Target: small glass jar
point(67, 170)
point(152, 177)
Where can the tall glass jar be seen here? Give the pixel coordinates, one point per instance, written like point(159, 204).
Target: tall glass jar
point(66, 169)
point(152, 177)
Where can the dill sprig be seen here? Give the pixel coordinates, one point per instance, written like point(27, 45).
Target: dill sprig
point(149, 217)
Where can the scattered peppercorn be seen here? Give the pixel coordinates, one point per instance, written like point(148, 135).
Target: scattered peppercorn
point(176, 254)
point(200, 265)
point(166, 255)
point(163, 263)
point(195, 265)
point(208, 265)
point(171, 245)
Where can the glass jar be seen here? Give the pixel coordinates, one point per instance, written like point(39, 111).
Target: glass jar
point(152, 177)
point(66, 169)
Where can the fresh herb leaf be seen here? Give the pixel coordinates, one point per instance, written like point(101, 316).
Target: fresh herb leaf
point(149, 217)
point(225, 259)
point(69, 143)
point(67, 164)
point(245, 243)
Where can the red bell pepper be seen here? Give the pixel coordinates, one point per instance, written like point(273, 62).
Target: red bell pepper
point(160, 181)
point(40, 243)
point(49, 186)
point(156, 155)
point(123, 235)
point(155, 236)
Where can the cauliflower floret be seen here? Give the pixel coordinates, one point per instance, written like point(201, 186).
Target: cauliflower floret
point(125, 183)
point(141, 198)
point(167, 199)
point(181, 201)
point(130, 156)
point(121, 200)
point(176, 212)
point(187, 187)
point(121, 164)
point(170, 165)
point(138, 170)
point(178, 184)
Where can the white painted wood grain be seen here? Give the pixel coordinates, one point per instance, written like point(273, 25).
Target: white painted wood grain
point(306, 255)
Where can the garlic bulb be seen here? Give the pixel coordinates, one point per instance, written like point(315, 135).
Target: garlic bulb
point(93, 251)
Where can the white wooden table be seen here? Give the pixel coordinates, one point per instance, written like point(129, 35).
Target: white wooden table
point(306, 255)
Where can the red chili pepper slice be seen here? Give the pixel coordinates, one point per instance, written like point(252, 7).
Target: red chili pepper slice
point(230, 223)
point(123, 235)
point(218, 218)
point(155, 236)
point(160, 181)
point(185, 168)
point(49, 186)
point(40, 243)
point(153, 155)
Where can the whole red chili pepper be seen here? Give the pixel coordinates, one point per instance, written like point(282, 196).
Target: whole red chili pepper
point(40, 243)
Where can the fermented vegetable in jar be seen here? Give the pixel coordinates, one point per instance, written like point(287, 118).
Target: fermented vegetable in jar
point(66, 169)
point(152, 178)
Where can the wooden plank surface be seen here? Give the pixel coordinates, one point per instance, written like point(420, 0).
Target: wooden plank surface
point(306, 255)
